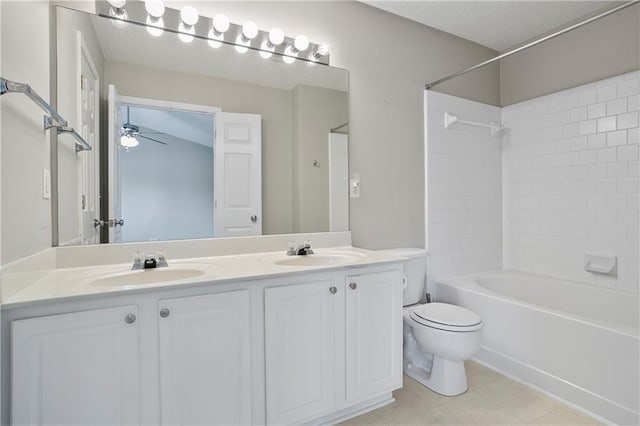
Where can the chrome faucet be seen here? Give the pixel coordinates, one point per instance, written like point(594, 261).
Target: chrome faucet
point(150, 261)
point(302, 250)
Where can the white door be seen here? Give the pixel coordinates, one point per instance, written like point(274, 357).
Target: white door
point(76, 369)
point(338, 182)
point(205, 360)
point(115, 166)
point(300, 339)
point(238, 175)
point(88, 107)
point(374, 334)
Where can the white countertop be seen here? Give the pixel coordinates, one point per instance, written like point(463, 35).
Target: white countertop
point(64, 283)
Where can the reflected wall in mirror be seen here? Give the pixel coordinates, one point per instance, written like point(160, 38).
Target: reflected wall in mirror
point(194, 142)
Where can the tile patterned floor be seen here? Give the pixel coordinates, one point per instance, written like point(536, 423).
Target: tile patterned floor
point(492, 399)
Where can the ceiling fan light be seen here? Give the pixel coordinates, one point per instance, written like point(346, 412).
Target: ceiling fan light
point(128, 141)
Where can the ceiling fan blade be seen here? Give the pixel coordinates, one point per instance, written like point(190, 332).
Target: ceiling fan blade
point(151, 139)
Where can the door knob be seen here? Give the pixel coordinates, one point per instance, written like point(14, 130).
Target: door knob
point(353, 286)
point(164, 312)
point(333, 290)
point(130, 319)
point(254, 218)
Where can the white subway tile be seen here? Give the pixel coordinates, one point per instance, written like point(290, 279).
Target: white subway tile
point(627, 186)
point(617, 170)
point(597, 110)
point(606, 93)
point(627, 153)
point(607, 155)
point(628, 120)
point(586, 97)
point(578, 143)
point(598, 140)
point(616, 106)
point(617, 138)
point(628, 87)
point(587, 127)
point(634, 103)
point(606, 124)
point(578, 114)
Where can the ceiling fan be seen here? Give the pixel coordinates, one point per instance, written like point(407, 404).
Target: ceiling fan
point(129, 134)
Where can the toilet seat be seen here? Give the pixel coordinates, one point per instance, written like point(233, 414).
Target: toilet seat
point(444, 316)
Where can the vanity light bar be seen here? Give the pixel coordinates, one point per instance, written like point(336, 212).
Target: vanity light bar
point(187, 24)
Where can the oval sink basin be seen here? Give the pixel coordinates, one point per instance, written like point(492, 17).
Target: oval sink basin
point(319, 259)
point(148, 276)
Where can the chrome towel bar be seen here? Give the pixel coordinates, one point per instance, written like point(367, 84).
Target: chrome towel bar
point(53, 120)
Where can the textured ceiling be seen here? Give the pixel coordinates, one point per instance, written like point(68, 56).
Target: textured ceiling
point(495, 24)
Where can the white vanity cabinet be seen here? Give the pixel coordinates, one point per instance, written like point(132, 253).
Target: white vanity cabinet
point(76, 369)
point(332, 344)
point(205, 359)
point(373, 334)
point(301, 324)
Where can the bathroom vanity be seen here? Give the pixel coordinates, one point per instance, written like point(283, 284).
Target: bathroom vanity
point(251, 339)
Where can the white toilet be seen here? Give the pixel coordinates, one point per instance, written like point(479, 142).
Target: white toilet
point(438, 337)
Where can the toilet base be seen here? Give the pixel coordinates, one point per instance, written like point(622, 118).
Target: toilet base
point(447, 378)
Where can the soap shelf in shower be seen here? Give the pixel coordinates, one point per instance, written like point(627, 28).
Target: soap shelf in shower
point(53, 119)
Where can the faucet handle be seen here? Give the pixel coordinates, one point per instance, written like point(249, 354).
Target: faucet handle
point(161, 257)
point(291, 250)
point(138, 260)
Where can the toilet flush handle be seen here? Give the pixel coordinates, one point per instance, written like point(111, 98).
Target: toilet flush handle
point(404, 282)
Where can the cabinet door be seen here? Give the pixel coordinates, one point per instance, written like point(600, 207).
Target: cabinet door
point(76, 369)
point(300, 327)
point(205, 359)
point(374, 334)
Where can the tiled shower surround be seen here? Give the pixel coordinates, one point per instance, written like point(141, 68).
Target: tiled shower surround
point(570, 182)
point(561, 181)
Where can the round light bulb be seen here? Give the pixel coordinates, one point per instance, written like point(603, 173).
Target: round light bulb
point(215, 43)
point(189, 15)
point(155, 8)
point(266, 50)
point(220, 23)
point(152, 25)
point(118, 4)
point(324, 49)
point(289, 55)
point(129, 141)
point(120, 16)
point(250, 30)
point(185, 34)
point(301, 43)
point(241, 45)
point(276, 36)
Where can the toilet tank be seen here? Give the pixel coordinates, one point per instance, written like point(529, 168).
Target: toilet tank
point(415, 271)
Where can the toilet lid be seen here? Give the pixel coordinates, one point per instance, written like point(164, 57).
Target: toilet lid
point(447, 315)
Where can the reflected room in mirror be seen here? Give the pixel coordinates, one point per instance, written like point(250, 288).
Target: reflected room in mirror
point(191, 141)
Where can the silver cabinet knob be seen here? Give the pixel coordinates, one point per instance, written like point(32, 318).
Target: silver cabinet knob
point(164, 312)
point(98, 222)
point(254, 218)
point(130, 319)
point(353, 286)
point(333, 290)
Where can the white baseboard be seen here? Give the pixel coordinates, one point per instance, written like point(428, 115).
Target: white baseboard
point(582, 399)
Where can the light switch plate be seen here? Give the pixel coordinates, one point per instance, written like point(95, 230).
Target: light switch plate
point(354, 186)
point(46, 184)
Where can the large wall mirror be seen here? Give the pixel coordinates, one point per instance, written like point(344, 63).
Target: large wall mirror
point(191, 141)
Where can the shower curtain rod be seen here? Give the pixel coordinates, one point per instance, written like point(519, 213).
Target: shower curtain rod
point(531, 44)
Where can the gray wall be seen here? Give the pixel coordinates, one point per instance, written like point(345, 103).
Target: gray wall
point(316, 110)
point(273, 104)
point(167, 191)
point(389, 61)
point(26, 216)
point(386, 113)
point(605, 48)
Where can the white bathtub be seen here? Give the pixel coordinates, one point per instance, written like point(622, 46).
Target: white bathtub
point(573, 340)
